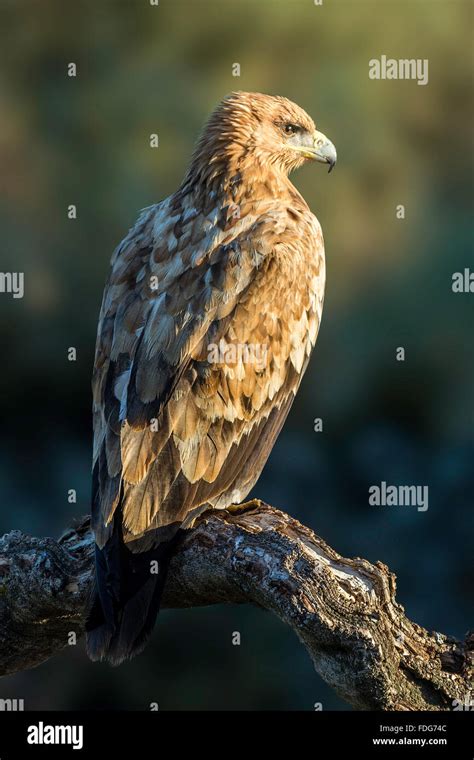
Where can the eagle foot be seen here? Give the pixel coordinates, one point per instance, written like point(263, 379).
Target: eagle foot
point(246, 506)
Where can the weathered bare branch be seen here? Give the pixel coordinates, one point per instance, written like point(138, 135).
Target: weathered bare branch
point(343, 610)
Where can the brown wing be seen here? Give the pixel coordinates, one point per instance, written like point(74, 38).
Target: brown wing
point(173, 429)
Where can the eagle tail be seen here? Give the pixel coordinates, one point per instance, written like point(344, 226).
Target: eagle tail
point(127, 596)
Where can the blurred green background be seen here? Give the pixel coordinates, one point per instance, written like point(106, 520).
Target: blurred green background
point(85, 141)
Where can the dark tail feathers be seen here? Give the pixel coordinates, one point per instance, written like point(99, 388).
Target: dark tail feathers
point(127, 597)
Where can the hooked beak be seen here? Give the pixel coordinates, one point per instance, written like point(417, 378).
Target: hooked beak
point(323, 150)
point(319, 148)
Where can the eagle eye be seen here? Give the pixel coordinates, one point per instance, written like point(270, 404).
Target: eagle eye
point(291, 129)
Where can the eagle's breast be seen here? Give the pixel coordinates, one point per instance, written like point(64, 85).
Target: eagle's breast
point(258, 359)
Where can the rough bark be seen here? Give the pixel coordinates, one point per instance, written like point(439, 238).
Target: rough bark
point(343, 610)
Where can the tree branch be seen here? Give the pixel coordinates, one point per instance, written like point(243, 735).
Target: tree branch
point(343, 610)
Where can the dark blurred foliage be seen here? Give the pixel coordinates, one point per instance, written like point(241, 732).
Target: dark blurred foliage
point(144, 69)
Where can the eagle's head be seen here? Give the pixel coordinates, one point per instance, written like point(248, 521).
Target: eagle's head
point(249, 130)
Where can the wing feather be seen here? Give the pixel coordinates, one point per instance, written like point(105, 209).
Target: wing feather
point(175, 431)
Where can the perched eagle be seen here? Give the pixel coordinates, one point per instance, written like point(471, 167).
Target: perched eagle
point(208, 319)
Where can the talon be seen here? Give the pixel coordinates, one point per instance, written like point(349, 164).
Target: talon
point(246, 506)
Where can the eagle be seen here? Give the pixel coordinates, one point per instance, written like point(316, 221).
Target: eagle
point(209, 316)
